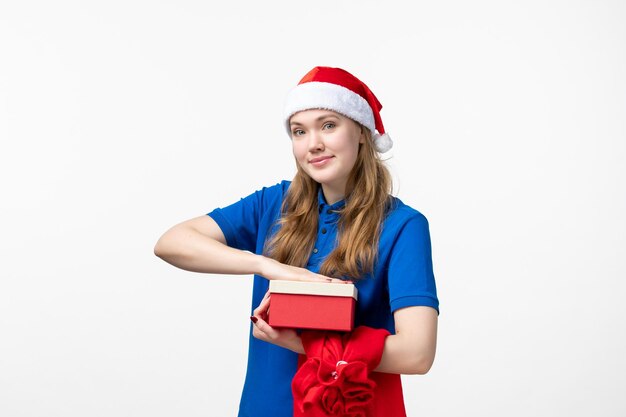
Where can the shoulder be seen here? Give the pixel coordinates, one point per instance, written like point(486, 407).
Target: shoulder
point(277, 192)
point(399, 214)
point(278, 188)
point(263, 199)
point(403, 223)
point(272, 193)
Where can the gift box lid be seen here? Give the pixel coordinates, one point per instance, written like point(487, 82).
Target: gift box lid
point(313, 288)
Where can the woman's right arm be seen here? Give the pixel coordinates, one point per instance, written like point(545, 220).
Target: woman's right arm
point(199, 245)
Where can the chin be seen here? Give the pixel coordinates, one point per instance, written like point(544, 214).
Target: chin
point(322, 179)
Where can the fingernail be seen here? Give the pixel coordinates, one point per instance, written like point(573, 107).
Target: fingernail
point(254, 319)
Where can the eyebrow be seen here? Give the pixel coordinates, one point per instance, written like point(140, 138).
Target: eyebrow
point(324, 116)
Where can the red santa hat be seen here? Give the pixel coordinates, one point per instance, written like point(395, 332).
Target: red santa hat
point(337, 378)
point(337, 90)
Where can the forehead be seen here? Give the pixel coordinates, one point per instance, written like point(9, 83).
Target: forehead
point(313, 115)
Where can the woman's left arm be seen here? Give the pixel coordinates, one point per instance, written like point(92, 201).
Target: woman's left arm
point(412, 349)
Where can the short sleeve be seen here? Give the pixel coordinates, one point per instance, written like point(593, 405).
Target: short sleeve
point(240, 222)
point(410, 273)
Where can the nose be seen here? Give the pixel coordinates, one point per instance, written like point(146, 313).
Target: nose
point(315, 141)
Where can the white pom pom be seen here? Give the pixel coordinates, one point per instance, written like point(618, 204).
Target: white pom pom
point(382, 143)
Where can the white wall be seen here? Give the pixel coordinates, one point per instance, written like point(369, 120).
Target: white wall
point(119, 119)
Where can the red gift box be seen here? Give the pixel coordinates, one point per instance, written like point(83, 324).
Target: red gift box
point(312, 305)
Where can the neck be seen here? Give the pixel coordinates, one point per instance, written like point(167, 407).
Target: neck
point(332, 195)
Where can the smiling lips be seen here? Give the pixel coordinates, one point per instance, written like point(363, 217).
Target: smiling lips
point(320, 161)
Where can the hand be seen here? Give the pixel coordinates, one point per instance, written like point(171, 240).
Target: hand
point(287, 338)
point(272, 269)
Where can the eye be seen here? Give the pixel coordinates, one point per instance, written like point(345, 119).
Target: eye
point(297, 132)
point(329, 125)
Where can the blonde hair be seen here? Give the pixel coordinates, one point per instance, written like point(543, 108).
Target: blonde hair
point(368, 195)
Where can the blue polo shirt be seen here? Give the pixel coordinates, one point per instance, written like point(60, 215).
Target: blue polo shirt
point(402, 277)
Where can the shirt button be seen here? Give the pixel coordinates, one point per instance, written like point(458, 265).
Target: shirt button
point(315, 250)
point(329, 211)
point(324, 231)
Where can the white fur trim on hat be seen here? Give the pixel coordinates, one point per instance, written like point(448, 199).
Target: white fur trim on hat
point(382, 143)
point(328, 96)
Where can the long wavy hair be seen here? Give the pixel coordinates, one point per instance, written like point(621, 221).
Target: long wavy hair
point(368, 195)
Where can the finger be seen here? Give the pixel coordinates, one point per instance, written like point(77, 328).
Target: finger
point(266, 331)
point(334, 280)
point(313, 277)
point(265, 298)
point(262, 308)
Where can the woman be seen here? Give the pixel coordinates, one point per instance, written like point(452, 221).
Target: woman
point(335, 221)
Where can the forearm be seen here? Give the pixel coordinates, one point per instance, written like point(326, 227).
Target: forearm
point(398, 358)
point(411, 350)
point(199, 245)
point(191, 250)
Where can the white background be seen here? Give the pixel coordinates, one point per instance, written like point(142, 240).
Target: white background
point(119, 119)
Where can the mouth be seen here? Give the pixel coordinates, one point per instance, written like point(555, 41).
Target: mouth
point(322, 160)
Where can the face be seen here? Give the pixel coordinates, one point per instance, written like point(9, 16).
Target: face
point(326, 145)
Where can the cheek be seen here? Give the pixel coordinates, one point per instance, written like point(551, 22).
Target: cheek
point(350, 149)
point(299, 151)
point(347, 144)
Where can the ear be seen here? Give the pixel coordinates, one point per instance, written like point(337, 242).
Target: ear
point(362, 135)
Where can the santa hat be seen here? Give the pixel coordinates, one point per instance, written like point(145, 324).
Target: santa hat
point(337, 377)
point(337, 90)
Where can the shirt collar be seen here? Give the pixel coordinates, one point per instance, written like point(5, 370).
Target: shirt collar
point(323, 205)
